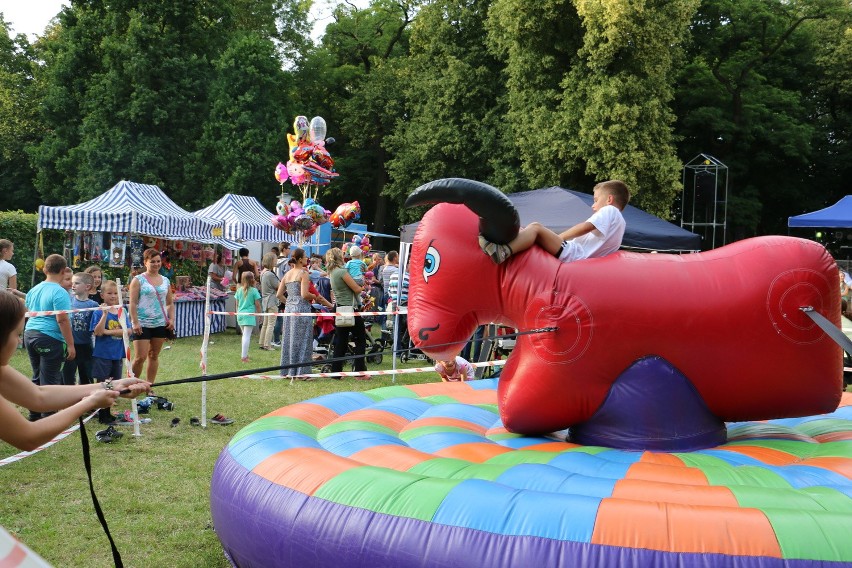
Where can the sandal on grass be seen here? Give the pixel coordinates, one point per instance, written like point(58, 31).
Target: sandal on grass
point(221, 419)
point(194, 421)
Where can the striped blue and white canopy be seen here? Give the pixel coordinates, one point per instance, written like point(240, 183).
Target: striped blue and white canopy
point(245, 219)
point(131, 207)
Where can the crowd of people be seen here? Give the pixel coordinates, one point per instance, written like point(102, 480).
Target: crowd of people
point(77, 357)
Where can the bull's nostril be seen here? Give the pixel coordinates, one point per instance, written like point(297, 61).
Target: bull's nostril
point(423, 333)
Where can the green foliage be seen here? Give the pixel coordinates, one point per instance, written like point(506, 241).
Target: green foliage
point(755, 93)
point(455, 101)
point(154, 489)
point(19, 126)
point(20, 228)
point(247, 123)
point(615, 116)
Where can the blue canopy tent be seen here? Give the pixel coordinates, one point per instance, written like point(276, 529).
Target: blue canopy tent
point(130, 207)
point(838, 215)
point(559, 209)
point(245, 219)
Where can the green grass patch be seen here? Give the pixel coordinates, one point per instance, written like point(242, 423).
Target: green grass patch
point(154, 489)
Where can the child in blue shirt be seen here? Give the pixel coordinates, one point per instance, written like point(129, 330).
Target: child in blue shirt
point(356, 266)
point(109, 353)
point(81, 286)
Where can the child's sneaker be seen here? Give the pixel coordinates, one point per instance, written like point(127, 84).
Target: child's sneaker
point(108, 435)
point(124, 418)
point(497, 252)
point(221, 419)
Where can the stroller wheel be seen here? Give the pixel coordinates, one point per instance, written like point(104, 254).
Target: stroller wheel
point(375, 357)
point(325, 368)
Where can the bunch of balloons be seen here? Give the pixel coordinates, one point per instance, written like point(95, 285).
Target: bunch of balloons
point(362, 243)
point(310, 164)
point(345, 214)
point(300, 217)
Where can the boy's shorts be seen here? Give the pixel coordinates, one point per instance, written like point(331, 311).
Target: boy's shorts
point(103, 369)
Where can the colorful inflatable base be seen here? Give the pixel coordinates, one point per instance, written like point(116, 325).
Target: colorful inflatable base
point(426, 475)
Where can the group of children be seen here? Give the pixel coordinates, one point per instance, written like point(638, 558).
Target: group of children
point(87, 344)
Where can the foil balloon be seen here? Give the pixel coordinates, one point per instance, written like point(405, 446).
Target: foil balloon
point(281, 174)
point(301, 127)
point(282, 208)
point(345, 214)
point(303, 222)
point(298, 174)
point(317, 129)
point(315, 211)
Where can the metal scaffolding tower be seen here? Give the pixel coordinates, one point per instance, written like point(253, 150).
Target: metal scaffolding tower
point(704, 201)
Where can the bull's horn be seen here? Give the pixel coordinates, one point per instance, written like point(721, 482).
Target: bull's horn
point(498, 218)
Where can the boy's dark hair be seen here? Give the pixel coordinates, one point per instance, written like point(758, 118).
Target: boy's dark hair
point(244, 251)
point(617, 189)
point(55, 264)
point(392, 256)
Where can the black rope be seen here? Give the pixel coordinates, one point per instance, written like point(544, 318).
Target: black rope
point(87, 461)
point(242, 373)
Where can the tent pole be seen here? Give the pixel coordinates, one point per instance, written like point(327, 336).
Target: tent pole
point(35, 257)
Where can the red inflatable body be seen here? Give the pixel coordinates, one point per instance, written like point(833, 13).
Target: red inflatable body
point(729, 320)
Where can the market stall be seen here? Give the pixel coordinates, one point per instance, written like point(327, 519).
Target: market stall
point(115, 227)
point(245, 219)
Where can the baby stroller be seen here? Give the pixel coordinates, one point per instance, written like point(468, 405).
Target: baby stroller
point(405, 347)
point(324, 330)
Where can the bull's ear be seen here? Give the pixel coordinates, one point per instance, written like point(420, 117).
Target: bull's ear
point(498, 219)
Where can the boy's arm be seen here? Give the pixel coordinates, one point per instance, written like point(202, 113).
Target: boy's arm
point(65, 327)
point(577, 230)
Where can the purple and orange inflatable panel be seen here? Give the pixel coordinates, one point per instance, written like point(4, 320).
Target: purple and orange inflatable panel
point(426, 476)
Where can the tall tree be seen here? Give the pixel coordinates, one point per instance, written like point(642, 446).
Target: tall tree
point(19, 125)
point(615, 116)
point(750, 96)
point(250, 109)
point(539, 44)
point(455, 104)
point(350, 81)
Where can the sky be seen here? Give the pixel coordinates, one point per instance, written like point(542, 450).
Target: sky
point(32, 16)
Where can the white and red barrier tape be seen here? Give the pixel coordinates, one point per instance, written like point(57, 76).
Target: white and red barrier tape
point(369, 373)
point(74, 311)
point(286, 314)
point(62, 435)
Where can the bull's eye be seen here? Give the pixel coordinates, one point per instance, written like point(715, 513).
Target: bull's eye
point(431, 263)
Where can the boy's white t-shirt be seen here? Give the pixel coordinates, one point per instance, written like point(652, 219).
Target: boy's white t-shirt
point(603, 240)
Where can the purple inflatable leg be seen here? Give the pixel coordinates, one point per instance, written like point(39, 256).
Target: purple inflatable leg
point(652, 406)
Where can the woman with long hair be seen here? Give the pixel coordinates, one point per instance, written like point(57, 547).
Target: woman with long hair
point(297, 332)
point(152, 315)
point(346, 292)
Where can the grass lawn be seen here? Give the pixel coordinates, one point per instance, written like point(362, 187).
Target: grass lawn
point(154, 489)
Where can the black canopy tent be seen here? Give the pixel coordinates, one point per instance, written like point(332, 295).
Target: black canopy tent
point(559, 209)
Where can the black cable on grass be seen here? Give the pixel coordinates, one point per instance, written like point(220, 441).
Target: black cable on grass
point(242, 373)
